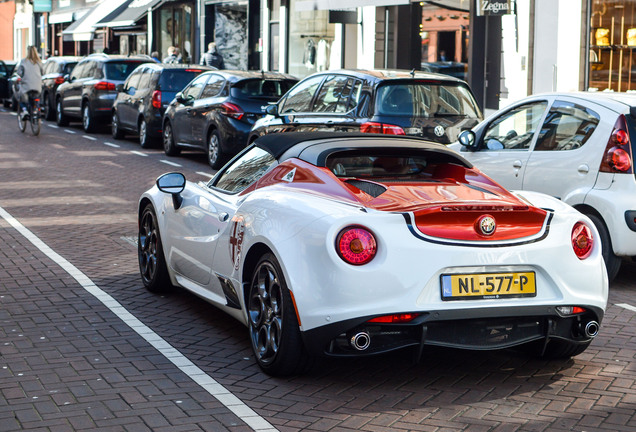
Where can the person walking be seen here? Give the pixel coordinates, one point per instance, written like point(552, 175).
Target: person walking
point(212, 57)
point(30, 73)
point(172, 55)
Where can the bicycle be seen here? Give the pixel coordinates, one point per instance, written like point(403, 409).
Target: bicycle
point(32, 115)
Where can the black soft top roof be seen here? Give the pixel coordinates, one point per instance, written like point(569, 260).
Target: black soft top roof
point(313, 147)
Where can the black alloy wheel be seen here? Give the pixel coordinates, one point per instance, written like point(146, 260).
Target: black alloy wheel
point(215, 154)
point(152, 263)
point(115, 130)
point(60, 118)
point(87, 118)
point(273, 326)
point(169, 146)
point(144, 139)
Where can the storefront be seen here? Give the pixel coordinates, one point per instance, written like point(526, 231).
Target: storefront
point(612, 58)
point(175, 27)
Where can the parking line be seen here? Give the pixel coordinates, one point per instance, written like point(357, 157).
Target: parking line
point(167, 162)
point(224, 396)
point(88, 137)
point(138, 153)
point(111, 144)
point(54, 126)
point(205, 174)
point(627, 306)
point(69, 131)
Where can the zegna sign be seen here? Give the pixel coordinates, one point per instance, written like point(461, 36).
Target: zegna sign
point(494, 7)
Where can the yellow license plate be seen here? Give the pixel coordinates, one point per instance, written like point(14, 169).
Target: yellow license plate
point(488, 285)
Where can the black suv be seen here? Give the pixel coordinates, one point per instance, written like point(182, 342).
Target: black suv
point(216, 111)
point(143, 98)
point(433, 106)
point(89, 91)
point(53, 73)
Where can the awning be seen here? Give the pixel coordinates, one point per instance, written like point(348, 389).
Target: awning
point(309, 5)
point(64, 16)
point(128, 14)
point(84, 28)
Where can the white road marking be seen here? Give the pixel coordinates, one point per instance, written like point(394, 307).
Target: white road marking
point(167, 162)
point(88, 137)
point(69, 131)
point(111, 144)
point(205, 174)
point(627, 306)
point(231, 402)
point(138, 153)
point(51, 125)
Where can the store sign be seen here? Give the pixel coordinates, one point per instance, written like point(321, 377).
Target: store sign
point(494, 7)
point(42, 5)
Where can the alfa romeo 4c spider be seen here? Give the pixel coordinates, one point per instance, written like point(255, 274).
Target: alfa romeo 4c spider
point(351, 245)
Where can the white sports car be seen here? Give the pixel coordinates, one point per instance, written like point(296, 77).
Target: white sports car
point(349, 245)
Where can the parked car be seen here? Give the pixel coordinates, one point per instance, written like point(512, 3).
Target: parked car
point(432, 106)
point(142, 100)
point(53, 72)
point(216, 111)
point(578, 147)
point(456, 69)
point(7, 83)
point(89, 91)
point(355, 244)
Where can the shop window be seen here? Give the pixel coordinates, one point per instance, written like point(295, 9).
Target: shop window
point(612, 60)
point(310, 40)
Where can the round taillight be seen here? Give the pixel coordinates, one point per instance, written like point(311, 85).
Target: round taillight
point(620, 136)
point(619, 159)
point(582, 240)
point(356, 245)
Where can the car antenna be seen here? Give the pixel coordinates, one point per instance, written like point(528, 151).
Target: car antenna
point(413, 73)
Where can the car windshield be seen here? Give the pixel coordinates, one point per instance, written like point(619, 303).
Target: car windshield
point(425, 99)
point(266, 89)
point(374, 163)
point(119, 71)
point(175, 80)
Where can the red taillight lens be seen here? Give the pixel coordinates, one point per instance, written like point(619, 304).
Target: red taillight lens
point(104, 85)
point(582, 240)
point(156, 99)
point(59, 80)
point(570, 310)
point(356, 245)
point(618, 157)
point(395, 318)
point(232, 110)
point(381, 128)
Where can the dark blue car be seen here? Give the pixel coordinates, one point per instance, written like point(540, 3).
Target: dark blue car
point(142, 100)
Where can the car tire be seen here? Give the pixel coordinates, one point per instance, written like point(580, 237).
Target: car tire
point(273, 325)
point(145, 141)
point(115, 130)
point(612, 262)
point(169, 147)
point(47, 109)
point(215, 154)
point(152, 262)
point(87, 118)
point(60, 118)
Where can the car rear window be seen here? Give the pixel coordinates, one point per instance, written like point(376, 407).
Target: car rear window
point(382, 163)
point(175, 80)
point(266, 89)
point(119, 71)
point(426, 99)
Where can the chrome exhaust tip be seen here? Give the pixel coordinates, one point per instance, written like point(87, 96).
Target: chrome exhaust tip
point(360, 341)
point(591, 329)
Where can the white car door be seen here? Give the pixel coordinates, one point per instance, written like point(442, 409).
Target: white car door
point(504, 147)
point(565, 160)
point(194, 229)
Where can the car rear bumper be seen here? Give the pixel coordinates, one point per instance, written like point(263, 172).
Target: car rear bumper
point(483, 329)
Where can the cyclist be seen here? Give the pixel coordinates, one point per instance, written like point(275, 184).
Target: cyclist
point(30, 73)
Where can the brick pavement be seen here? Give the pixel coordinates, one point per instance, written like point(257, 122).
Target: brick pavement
point(69, 364)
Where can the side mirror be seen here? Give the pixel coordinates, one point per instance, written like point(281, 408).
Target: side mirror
point(182, 99)
point(119, 87)
point(272, 110)
point(467, 139)
point(173, 184)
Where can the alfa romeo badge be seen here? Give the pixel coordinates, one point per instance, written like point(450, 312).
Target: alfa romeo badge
point(486, 225)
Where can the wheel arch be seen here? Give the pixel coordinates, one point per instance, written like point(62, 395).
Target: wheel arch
point(249, 264)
